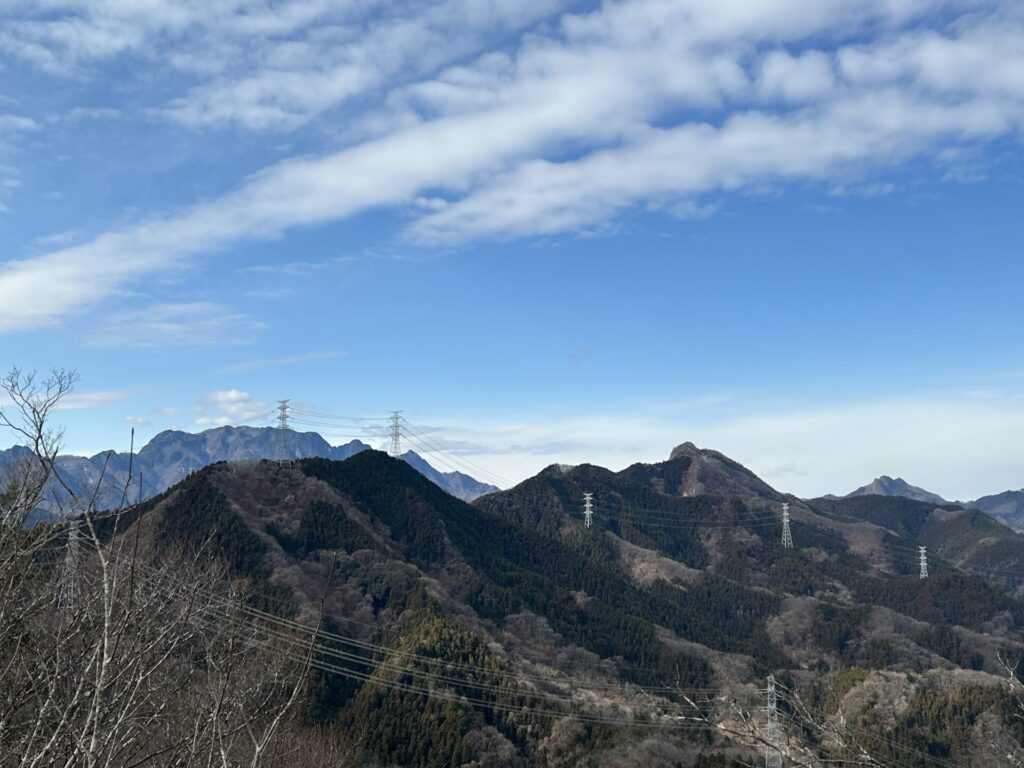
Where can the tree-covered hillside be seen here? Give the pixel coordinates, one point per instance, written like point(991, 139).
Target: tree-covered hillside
point(433, 632)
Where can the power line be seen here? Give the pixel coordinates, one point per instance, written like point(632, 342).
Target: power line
point(456, 463)
point(326, 416)
point(365, 646)
point(461, 459)
point(448, 465)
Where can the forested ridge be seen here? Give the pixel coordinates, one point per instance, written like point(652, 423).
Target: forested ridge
point(508, 633)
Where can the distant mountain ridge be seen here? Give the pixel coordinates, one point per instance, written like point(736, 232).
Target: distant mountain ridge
point(1006, 507)
point(173, 454)
point(888, 486)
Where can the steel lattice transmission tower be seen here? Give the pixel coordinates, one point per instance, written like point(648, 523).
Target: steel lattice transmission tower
point(787, 534)
point(72, 558)
point(588, 509)
point(923, 553)
point(281, 439)
point(396, 434)
point(772, 757)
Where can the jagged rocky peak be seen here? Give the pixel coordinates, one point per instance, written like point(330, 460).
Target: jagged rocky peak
point(701, 470)
point(684, 449)
point(889, 486)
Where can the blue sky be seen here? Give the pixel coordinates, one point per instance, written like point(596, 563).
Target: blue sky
point(788, 230)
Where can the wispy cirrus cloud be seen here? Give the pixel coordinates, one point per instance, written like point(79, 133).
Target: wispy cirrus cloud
point(645, 104)
point(58, 239)
point(79, 401)
point(13, 124)
point(176, 325)
point(274, 362)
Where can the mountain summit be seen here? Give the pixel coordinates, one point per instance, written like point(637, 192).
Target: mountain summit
point(172, 455)
point(708, 471)
point(887, 486)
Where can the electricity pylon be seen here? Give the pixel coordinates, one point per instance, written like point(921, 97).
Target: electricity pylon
point(787, 535)
point(72, 559)
point(588, 509)
point(772, 757)
point(396, 434)
point(281, 438)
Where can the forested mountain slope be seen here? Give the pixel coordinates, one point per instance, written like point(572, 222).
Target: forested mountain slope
point(172, 455)
point(1007, 507)
point(508, 633)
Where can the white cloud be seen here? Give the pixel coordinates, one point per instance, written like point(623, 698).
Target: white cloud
point(273, 362)
point(91, 113)
point(270, 294)
point(650, 103)
point(17, 123)
point(78, 401)
point(544, 197)
point(58, 239)
point(960, 447)
point(796, 78)
point(230, 406)
point(165, 325)
point(300, 79)
point(68, 37)
point(302, 268)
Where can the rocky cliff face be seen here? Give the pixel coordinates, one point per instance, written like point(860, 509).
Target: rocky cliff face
point(888, 486)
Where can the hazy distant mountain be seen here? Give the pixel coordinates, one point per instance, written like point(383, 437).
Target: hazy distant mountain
point(456, 483)
point(887, 486)
point(1007, 507)
point(172, 455)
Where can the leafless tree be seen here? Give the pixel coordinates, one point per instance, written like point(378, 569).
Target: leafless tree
point(112, 657)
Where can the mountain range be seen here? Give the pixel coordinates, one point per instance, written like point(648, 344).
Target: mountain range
point(172, 455)
point(507, 632)
point(887, 486)
point(1007, 507)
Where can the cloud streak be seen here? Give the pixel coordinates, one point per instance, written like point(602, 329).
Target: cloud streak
point(644, 104)
point(178, 325)
point(809, 452)
point(274, 362)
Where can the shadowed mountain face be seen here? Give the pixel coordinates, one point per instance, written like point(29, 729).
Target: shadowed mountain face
point(1007, 507)
point(887, 486)
point(681, 581)
point(172, 455)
